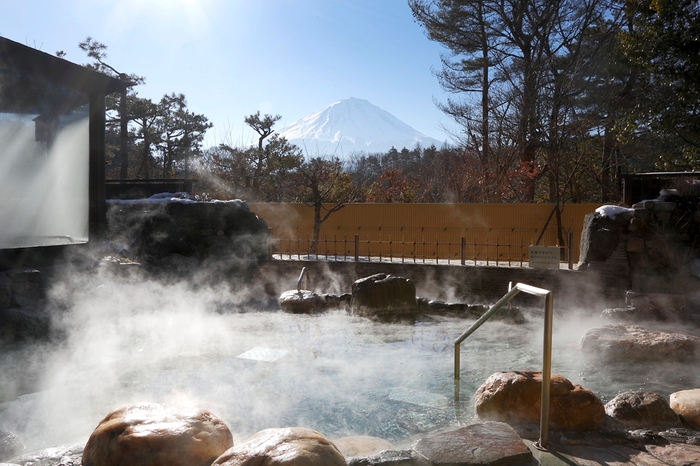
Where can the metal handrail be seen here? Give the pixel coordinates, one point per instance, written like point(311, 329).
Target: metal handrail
point(546, 351)
point(301, 277)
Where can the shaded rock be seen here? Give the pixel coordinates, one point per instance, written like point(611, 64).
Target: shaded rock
point(511, 315)
point(655, 300)
point(19, 324)
point(641, 409)
point(27, 283)
point(636, 438)
point(601, 235)
point(10, 445)
point(649, 306)
point(300, 302)
point(439, 307)
point(631, 314)
point(681, 435)
point(149, 434)
point(5, 291)
point(468, 311)
point(296, 446)
point(482, 444)
point(634, 342)
point(179, 265)
point(361, 445)
point(218, 231)
point(514, 397)
point(332, 301)
point(687, 404)
point(390, 458)
point(384, 296)
point(54, 456)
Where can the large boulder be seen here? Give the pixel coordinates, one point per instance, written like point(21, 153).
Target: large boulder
point(384, 296)
point(297, 446)
point(634, 342)
point(602, 231)
point(149, 434)
point(216, 231)
point(514, 397)
point(687, 404)
point(641, 409)
point(300, 301)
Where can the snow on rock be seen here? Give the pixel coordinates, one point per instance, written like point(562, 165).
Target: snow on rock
point(611, 211)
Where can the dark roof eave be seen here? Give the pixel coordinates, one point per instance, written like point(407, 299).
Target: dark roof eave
point(58, 70)
point(660, 174)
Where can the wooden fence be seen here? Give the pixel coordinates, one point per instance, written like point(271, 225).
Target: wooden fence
point(426, 233)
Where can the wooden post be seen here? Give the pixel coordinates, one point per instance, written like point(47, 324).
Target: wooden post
point(463, 250)
point(357, 247)
point(497, 257)
point(437, 250)
point(509, 248)
point(487, 251)
point(403, 248)
point(449, 249)
point(269, 243)
point(570, 241)
point(391, 254)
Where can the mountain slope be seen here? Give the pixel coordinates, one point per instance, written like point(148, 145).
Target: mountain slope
point(352, 125)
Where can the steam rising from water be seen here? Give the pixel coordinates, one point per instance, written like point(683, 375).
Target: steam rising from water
point(128, 341)
point(43, 186)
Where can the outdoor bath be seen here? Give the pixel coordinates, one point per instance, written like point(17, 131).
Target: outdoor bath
point(129, 341)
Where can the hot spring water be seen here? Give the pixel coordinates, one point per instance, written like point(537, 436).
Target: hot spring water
point(338, 374)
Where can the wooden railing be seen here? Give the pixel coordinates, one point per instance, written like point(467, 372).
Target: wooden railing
point(427, 232)
point(458, 250)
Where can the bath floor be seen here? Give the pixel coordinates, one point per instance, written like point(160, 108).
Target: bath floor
point(672, 455)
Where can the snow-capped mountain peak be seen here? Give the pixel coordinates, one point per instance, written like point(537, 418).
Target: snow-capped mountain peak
point(352, 125)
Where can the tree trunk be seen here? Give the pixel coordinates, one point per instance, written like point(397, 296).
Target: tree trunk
point(605, 173)
point(123, 135)
point(528, 120)
point(145, 162)
point(313, 247)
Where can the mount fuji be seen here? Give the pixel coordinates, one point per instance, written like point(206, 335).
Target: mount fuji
point(353, 125)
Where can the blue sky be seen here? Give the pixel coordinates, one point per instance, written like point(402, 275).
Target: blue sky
point(232, 58)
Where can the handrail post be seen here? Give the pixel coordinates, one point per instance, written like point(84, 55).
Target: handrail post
point(456, 362)
point(546, 372)
point(301, 277)
point(546, 350)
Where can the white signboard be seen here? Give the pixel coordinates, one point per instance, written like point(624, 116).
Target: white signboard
point(544, 257)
